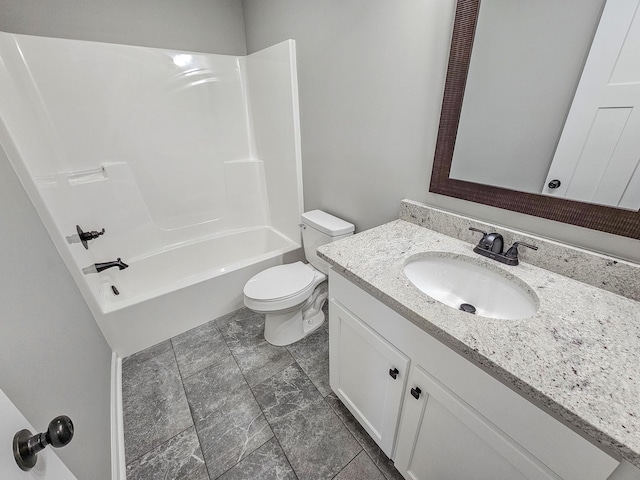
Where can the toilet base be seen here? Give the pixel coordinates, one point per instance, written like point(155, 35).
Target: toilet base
point(286, 328)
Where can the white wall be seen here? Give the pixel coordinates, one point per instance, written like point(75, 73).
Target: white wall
point(371, 74)
point(54, 360)
point(214, 26)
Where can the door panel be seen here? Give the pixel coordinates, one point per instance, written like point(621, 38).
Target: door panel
point(359, 373)
point(442, 438)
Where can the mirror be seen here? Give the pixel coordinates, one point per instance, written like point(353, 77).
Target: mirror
point(502, 122)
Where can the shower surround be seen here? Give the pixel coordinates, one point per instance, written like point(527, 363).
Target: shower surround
point(190, 162)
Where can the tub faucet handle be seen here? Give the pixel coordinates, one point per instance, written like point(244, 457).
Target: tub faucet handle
point(86, 236)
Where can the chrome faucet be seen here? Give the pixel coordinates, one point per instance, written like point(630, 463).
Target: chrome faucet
point(491, 245)
point(98, 267)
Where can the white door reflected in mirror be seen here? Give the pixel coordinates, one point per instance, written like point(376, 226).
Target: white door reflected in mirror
point(526, 76)
point(599, 151)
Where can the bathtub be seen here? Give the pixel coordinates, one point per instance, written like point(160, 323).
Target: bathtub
point(169, 292)
point(190, 161)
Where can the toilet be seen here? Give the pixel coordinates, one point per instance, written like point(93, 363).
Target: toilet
point(291, 296)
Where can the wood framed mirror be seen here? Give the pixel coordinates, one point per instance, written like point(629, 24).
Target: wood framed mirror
point(607, 219)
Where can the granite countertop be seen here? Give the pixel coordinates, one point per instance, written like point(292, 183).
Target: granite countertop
point(579, 355)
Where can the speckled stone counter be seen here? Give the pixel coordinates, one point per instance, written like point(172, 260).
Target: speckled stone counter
point(579, 355)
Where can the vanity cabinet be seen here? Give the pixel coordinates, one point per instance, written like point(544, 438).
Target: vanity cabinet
point(445, 418)
point(367, 373)
point(442, 438)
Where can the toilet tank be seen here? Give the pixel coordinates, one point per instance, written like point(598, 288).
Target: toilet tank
point(320, 228)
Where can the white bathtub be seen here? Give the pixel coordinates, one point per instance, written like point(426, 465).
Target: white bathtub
point(169, 292)
point(190, 161)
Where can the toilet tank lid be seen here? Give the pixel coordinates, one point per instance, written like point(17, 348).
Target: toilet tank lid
point(327, 223)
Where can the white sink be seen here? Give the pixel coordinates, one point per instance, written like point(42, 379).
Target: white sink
point(455, 281)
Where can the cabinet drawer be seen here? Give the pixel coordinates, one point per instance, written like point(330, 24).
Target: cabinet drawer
point(367, 373)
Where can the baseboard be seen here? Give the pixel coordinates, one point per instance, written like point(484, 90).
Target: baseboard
point(118, 466)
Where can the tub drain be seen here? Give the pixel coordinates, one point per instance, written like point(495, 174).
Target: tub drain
point(467, 307)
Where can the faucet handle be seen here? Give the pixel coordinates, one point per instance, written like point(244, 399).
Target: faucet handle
point(478, 230)
point(512, 253)
point(515, 245)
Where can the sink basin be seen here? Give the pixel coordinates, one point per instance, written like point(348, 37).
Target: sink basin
point(457, 282)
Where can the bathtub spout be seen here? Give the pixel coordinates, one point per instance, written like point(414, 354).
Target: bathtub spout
point(103, 266)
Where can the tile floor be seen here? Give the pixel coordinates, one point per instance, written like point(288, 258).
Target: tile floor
point(220, 402)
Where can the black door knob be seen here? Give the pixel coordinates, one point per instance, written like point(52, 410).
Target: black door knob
point(394, 373)
point(26, 445)
point(60, 431)
point(554, 184)
point(416, 392)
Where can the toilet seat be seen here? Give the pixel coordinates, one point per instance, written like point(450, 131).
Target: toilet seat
point(281, 287)
point(279, 282)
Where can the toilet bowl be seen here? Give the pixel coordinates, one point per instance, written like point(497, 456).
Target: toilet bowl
point(291, 296)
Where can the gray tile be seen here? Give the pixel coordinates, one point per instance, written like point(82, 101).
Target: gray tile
point(228, 420)
point(155, 406)
point(179, 458)
point(212, 388)
point(232, 432)
point(352, 424)
point(378, 457)
point(314, 440)
point(146, 354)
point(385, 465)
point(240, 315)
point(262, 361)
point(312, 354)
point(243, 331)
point(199, 348)
point(266, 463)
point(360, 468)
point(286, 392)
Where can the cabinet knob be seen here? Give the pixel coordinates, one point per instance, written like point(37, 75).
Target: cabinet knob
point(393, 372)
point(416, 392)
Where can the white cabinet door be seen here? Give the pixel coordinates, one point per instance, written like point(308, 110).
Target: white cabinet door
point(367, 373)
point(442, 438)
